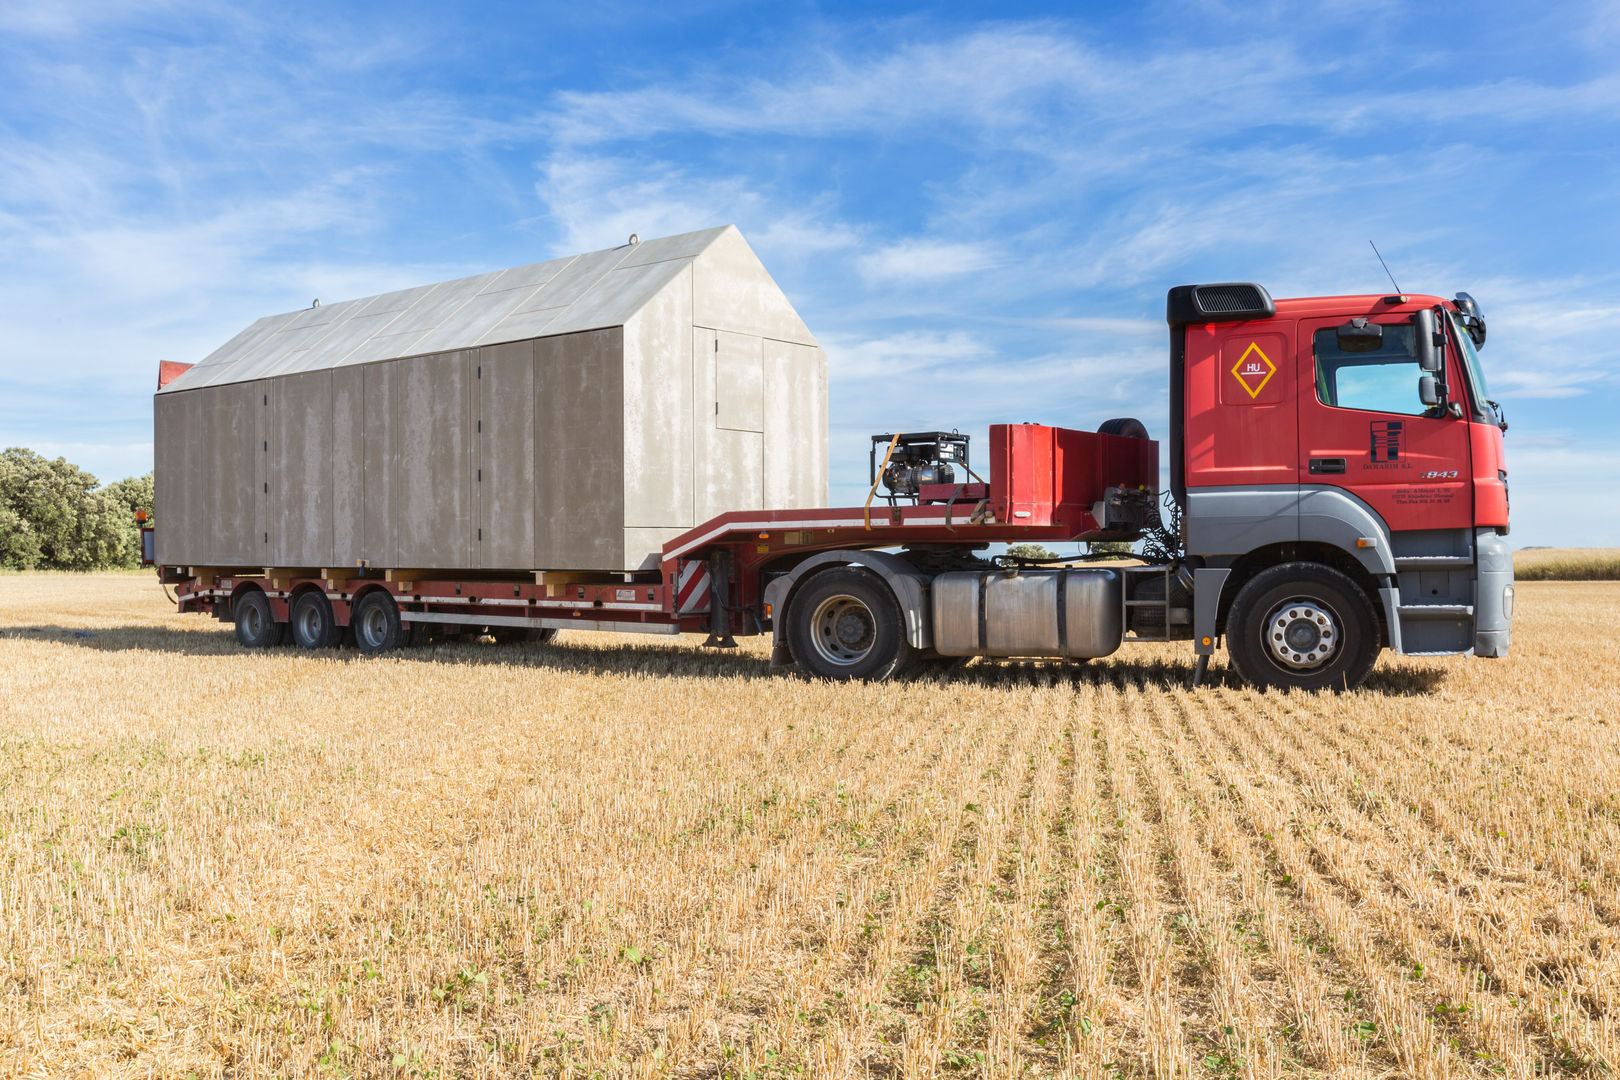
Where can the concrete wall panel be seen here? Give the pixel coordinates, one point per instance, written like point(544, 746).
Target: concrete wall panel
point(795, 405)
point(228, 427)
point(704, 410)
point(739, 381)
point(503, 476)
point(579, 447)
point(263, 512)
point(733, 476)
point(433, 506)
point(733, 291)
point(658, 413)
point(378, 538)
point(176, 449)
point(647, 546)
point(348, 464)
point(300, 469)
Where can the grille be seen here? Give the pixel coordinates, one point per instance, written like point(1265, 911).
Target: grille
point(1220, 299)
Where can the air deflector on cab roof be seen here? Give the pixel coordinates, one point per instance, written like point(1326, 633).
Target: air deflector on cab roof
point(1232, 301)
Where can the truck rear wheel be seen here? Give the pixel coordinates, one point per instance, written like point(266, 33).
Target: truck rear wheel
point(846, 624)
point(313, 624)
point(1302, 625)
point(256, 627)
point(377, 626)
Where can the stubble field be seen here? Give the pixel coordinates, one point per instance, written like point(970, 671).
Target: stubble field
point(620, 858)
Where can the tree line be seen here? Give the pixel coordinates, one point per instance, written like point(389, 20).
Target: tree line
point(56, 516)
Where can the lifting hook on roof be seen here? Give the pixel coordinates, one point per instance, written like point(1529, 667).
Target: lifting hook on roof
point(634, 239)
point(316, 304)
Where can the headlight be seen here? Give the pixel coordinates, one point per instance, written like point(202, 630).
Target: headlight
point(1507, 601)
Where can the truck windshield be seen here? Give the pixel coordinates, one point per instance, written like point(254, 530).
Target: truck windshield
point(1476, 373)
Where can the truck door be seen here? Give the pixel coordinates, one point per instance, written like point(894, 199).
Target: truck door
point(1363, 428)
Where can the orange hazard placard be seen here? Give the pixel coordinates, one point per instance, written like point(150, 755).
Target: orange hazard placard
point(1252, 371)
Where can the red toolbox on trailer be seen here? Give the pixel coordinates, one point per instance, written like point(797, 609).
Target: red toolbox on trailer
point(1042, 475)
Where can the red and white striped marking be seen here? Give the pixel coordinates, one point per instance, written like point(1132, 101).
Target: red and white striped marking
point(692, 587)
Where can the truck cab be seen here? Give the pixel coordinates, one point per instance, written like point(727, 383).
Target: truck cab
point(1323, 443)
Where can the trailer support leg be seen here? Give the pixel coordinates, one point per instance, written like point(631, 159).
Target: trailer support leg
point(1200, 671)
point(719, 613)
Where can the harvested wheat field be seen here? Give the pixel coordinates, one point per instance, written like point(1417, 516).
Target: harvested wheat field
point(1567, 564)
point(606, 857)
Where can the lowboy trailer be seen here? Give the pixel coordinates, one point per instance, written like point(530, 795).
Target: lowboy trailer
point(1337, 487)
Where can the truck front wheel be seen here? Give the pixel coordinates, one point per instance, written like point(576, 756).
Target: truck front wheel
point(1302, 625)
point(845, 624)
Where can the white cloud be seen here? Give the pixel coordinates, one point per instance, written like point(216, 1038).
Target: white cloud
point(911, 352)
point(926, 260)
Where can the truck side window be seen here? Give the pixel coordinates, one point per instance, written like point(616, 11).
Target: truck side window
point(1383, 381)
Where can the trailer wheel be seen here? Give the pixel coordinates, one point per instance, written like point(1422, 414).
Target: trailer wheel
point(1128, 426)
point(846, 624)
point(313, 624)
point(376, 624)
point(1302, 625)
point(256, 627)
point(518, 635)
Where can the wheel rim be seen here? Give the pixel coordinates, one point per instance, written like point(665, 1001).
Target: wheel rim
point(1302, 633)
point(311, 626)
point(373, 627)
point(252, 621)
point(843, 630)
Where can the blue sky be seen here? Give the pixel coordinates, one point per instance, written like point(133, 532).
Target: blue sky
point(976, 207)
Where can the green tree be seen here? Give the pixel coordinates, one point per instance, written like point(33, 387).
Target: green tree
point(1029, 551)
point(19, 546)
point(52, 516)
point(1119, 547)
point(131, 494)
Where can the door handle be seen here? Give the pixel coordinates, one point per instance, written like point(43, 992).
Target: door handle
point(1320, 465)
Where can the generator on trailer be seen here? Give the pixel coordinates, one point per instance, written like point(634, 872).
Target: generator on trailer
point(1337, 485)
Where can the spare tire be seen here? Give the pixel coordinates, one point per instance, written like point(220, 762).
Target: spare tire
point(1128, 426)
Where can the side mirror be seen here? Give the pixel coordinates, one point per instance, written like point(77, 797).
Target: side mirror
point(1429, 391)
point(1359, 336)
point(1429, 340)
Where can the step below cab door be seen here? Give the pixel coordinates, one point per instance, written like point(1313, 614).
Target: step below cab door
point(1363, 427)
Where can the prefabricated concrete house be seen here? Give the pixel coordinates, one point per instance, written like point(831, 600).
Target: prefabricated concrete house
point(569, 415)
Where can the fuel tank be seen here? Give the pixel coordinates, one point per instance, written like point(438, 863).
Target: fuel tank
point(1062, 613)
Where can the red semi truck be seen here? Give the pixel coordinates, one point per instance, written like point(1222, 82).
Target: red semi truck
point(1337, 487)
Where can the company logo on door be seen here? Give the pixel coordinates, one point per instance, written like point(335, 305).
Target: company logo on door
point(1254, 369)
point(1385, 436)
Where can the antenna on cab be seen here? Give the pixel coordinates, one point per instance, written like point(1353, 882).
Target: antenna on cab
point(1385, 265)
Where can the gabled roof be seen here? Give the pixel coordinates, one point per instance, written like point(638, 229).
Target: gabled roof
point(584, 292)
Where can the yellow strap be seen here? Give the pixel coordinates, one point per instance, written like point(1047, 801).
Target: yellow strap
point(866, 510)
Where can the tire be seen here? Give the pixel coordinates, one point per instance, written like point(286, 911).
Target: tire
point(312, 622)
point(1303, 626)
point(376, 625)
point(522, 635)
point(1128, 426)
point(256, 626)
point(845, 624)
